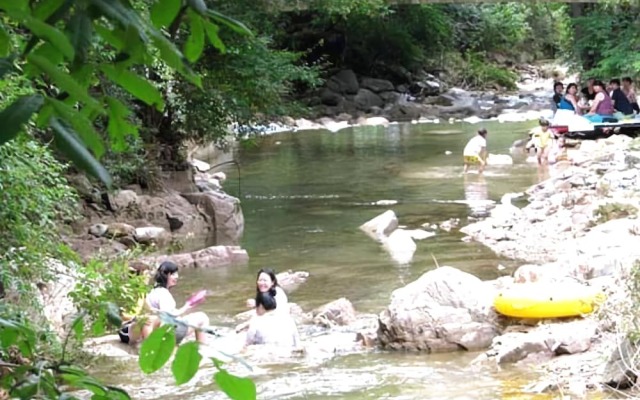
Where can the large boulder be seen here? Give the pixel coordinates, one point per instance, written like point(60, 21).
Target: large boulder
point(365, 100)
point(338, 312)
point(222, 212)
point(444, 310)
point(171, 211)
point(344, 82)
point(376, 85)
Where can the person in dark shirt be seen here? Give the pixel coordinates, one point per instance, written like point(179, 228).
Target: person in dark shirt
point(588, 91)
point(620, 101)
point(558, 89)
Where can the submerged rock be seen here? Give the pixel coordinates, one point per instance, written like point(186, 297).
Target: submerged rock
point(381, 226)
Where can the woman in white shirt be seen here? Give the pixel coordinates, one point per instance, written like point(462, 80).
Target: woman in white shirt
point(267, 282)
point(160, 299)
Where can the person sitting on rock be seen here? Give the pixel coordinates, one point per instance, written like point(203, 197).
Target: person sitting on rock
point(160, 299)
point(558, 88)
point(475, 152)
point(267, 282)
point(269, 327)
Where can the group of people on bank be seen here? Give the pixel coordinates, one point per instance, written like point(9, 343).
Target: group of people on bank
point(271, 324)
point(598, 102)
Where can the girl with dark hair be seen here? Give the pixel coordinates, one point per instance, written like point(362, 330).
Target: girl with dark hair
point(160, 299)
point(569, 101)
point(271, 327)
point(602, 107)
point(267, 282)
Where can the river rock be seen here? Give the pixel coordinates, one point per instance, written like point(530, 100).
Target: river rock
point(151, 234)
point(123, 199)
point(291, 280)
point(444, 310)
point(543, 341)
point(366, 99)
point(344, 82)
point(200, 166)
point(222, 212)
point(381, 226)
point(621, 371)
point(210, 257)
point(330, 98)
point(376, 85)
point(338, 312)
point(376, 121)
point(400, 246)
point(98, 230)
point(119, 229)
point(172, 212)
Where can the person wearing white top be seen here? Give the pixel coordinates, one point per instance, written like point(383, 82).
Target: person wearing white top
point(269, 327)
point(267, 282)
point(160, 299)
point(475, 152)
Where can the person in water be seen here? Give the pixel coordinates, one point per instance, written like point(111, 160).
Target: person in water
point(620, 101)
point(269, 327)
point(475, 152)
point(540, 140)
point(267, 282)
point(602, 106)
point(629, 91)
point(559, 152)
point(160, 299)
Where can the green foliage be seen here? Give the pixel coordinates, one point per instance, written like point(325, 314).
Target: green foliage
point(474, 70)
point(35, 199)
point(111, 281)
point(608, 41)
point(71, 105)
point(609, 211)
point(25, 373)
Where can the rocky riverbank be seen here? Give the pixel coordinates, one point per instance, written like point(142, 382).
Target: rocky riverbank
point(578, 228)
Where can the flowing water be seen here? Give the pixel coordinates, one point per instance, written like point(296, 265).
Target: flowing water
point(304, 196)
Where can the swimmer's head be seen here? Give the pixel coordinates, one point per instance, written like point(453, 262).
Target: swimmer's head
point(482, 132)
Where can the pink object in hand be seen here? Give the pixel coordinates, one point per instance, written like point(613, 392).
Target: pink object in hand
point(197, 298)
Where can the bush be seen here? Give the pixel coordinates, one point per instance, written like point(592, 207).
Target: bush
point(475, 71)
point(36, 201)
point(609, 211)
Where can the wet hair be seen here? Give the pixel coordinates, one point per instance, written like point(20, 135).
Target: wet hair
point(162, 274)
point(543, 122)
point(266, 300)
point(569, 86)
point(272, 291)
point(627, 79)
point(614, 81)
point(556, 84)
point(482, 132)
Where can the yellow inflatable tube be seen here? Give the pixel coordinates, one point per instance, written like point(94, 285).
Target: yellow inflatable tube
point(547, 300)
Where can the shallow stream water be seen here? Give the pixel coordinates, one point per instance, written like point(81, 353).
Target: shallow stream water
point(304, 196)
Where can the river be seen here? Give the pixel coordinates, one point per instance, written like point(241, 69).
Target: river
point(304, 196)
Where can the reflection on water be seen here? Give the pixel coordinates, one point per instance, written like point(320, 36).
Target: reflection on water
point(476, 193)
point(304, 198)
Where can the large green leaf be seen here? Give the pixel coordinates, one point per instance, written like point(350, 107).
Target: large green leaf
point(64, 81)
point(70, 144)
point(231, 23)
point(157, 349)
point(13, 6)
point(81, 124)
point(110, 36)
point(5, 42)
point(235, 387)
point(17, 114)
point(44, 9)
point(123, 14)
point(195, 42)
point(80, 30)
point(134, 84)
point(163, 12)
point(119, 126)
point(214, 38)
point(51, 35)
point(186, 362)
